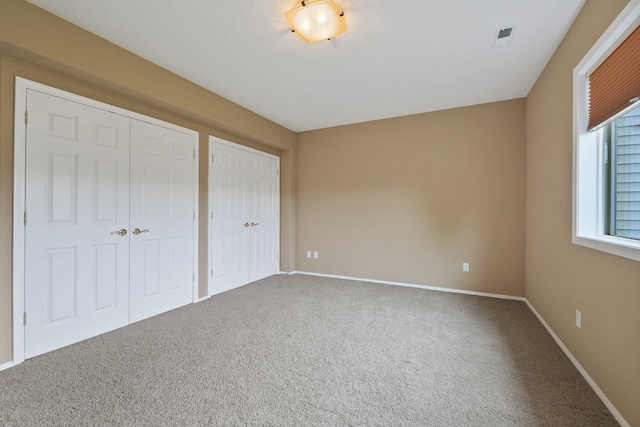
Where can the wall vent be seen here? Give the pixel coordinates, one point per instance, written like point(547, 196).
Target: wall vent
point(505, 32)
point(503, 36)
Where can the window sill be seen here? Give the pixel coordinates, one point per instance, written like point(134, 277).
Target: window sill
point(626, 248)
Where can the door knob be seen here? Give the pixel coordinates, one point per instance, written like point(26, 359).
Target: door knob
point(253, 224)
point(121, 232)
point(246, 224)
point(137, 231)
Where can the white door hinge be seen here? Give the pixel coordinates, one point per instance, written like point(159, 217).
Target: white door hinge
point(25, 218)
point(194, 154)
point(212, 157)
point(26, 117)
point(194, 278)
point(212, 272)
point(24, 319)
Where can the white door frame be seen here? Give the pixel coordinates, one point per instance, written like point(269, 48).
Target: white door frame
point(19, 183)
point(213, 139)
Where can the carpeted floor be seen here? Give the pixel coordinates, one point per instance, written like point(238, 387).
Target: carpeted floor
point(301, 350)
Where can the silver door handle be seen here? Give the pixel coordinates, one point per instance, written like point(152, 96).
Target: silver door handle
point(246, 224)
point(121, 232)
point(253, 224)
point(137, 231)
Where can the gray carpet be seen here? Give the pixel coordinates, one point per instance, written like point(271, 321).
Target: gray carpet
point(300, 350)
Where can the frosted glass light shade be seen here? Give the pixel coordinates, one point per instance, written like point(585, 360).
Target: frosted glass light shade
point(315, 20)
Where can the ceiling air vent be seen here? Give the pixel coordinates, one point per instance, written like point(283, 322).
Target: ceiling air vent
point(502, 37)
point(506, 32)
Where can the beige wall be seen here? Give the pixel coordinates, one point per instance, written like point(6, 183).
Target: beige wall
point(410, 199)
point(561, 277)
point(41, 47)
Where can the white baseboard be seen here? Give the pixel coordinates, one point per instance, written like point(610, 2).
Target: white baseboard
point(409, 285)
point(578, 366)
point(6, 366)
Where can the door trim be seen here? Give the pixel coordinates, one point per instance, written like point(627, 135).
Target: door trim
point(19, 190)
point(215, 139)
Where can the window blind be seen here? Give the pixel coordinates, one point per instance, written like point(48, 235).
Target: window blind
point(615, 84)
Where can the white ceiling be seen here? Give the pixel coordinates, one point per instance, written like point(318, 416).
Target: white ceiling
point(397, 58)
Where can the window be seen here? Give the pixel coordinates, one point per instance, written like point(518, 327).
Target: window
point(606, 169)
point(622, 176)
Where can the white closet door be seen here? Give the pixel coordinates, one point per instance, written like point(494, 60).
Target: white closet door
point(162, 209)
point(244, 197)
point(264, 217)
point(77, 269)
point(230, 222)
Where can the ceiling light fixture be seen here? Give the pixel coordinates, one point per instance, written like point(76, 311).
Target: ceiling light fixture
point(315, 20)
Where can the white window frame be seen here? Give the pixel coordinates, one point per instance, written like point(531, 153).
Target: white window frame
point(588, 182)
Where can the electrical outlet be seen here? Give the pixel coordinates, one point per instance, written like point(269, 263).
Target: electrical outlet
point(465, 267)
point(315, 254)
point(578, 319)
point(308, 254)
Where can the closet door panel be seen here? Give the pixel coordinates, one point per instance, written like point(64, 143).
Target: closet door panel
point(77, 198)
point(264, 206)
point(162, 219)
point(230, 220)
